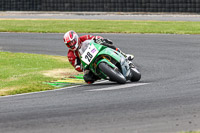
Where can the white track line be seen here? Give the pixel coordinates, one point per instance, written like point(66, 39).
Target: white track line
point(65, 88)
point(118, 87)
point(41, 91)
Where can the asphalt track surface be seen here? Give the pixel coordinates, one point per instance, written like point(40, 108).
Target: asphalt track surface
point(100, 16)
point(166, 100)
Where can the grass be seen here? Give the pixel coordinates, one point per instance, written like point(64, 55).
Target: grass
point(23, 73)
point(191, 132)
point(100, 26)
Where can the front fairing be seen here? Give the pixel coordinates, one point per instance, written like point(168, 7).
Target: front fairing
point(87, 50)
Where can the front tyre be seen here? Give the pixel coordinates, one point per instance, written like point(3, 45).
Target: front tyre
point(114, 75)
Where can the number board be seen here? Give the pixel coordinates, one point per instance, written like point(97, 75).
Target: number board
point(89, 54)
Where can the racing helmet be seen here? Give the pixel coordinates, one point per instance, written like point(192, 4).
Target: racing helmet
point(71, 40)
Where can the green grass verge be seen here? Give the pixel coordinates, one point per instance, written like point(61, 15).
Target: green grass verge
point(22, 73)
point(191, 132)
point(100, 26)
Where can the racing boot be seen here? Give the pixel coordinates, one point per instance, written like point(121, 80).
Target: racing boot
point(89, 77)
point(129, 57)
point(131, 64)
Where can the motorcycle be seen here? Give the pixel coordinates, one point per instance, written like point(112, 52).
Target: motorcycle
point(107, 63)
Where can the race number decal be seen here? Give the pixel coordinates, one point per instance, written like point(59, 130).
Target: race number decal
point(89, 54)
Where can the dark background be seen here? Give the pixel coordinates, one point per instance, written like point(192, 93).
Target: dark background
point(191, 6)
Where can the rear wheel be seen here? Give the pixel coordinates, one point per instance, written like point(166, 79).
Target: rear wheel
point(114, 75)
point(136, 75)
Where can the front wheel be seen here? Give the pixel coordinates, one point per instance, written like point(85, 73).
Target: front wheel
point(114, 75)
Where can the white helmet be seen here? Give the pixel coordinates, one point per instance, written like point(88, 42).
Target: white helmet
point(71, 40)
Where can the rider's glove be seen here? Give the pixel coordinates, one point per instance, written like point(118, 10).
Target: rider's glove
point(98, 40)
point(78, 65)
point(101, 40)
point(78, 68)
point(108, 41)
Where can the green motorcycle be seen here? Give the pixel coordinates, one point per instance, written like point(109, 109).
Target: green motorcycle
point(107, 63)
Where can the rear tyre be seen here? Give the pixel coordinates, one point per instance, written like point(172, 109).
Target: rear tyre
point(136, 75)
point(114, 75)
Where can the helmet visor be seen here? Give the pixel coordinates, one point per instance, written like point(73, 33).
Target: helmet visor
point(71, 44)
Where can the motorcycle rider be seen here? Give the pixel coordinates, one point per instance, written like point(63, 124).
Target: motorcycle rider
point(73, 42)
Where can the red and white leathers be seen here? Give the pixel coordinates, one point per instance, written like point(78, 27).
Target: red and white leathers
point(73, 56)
